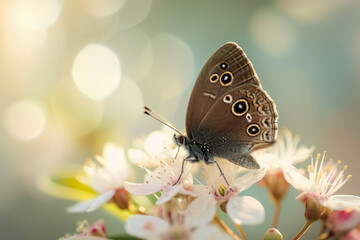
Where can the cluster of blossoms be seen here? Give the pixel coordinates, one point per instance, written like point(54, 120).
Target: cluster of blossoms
point(190, 208)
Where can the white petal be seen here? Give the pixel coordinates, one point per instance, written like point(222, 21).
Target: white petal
point(194, 190)
point(246, 181)
point(245, 210)
point(201, 211)
point(115, 161)
point(91, 205)
point(80, 206)
point(199, 190)
point(168, 193)
point(145, 226)
point(209, 232)
point(302, 154)
point(296, 178)
point(341, 202)
point(142, 188)
point(266, 160)
point(140, 158)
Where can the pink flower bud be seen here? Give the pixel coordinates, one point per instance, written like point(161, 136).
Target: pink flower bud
point(273, 234)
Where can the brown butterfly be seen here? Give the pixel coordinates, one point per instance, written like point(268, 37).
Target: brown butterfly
point(229, 114)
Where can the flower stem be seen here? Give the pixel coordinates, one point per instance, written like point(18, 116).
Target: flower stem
point(241, 231)
point(323, 228)
point(303, 230)
point(226, 228)
point(276, 218)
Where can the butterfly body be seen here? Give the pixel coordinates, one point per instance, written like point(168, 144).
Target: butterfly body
point(229, 113)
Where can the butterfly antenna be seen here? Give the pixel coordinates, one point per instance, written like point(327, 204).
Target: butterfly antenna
point(157, 117)
point(156, 114)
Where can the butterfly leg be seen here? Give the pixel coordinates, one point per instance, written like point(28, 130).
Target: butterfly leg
point(221, 172)
point(189, 158)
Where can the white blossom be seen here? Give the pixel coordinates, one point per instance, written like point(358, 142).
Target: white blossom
point(284, 152)
point(105, 175)
point(191, 224)
point(244, 210)
point(324, 179)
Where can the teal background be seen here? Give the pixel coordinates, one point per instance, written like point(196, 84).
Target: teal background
point(305, 53)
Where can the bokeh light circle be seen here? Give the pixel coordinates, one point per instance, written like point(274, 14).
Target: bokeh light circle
point(25, 119)
point(96, 71)
point(133, 12)
point(272, 33)
point(103, 8)
point(35, 14)
point(309, 11)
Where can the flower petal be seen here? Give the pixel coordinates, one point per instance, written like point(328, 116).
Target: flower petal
point(266, 160)
point(168, 193)
point(344, 220)
point(341, 202)
point(80, 206)
point(209, 232)
point(244, 182)
point(296, 178)
point(143, 226)
point(115, 159)
point(91, 205)
point(302, 154)
point(245, 210)
point(201, 211)
point(140, 158)
point(142, 188)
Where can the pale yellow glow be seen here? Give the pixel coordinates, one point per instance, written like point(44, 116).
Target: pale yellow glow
point(103, 8)
point(171, 72)
point(133, 46)
point(25, 119)
point(273, 33)
point(127, 100)
point(133, 12)
point(309, 10)
point(96, 71)
point(25, 24)
point(34, 14)
point(73, 111)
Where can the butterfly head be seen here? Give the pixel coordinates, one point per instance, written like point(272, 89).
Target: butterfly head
point(180, 140)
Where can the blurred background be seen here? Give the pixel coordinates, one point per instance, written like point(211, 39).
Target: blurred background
point(75, 75)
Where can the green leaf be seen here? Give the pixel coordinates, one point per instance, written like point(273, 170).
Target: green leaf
point(64, 184)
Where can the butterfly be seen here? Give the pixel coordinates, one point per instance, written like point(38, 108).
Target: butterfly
point(229, 114)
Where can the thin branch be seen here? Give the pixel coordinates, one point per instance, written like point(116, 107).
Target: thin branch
point(226, 228)
point(303, 230)
point(241, 231)
point(277, 211)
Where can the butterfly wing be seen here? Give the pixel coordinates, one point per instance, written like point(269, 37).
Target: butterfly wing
point(242, 118)
point(227, 68)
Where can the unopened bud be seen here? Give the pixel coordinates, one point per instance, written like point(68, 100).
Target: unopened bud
point(313, 209)
point(276, 184)
point(273, 234)
point(121, 198)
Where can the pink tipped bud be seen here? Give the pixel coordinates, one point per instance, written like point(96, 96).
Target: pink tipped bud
point(273, 234)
